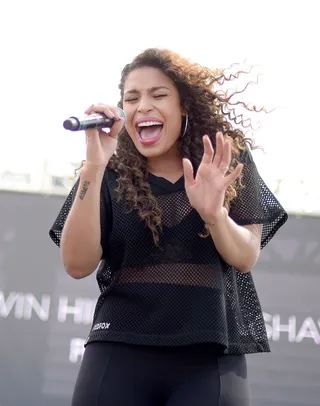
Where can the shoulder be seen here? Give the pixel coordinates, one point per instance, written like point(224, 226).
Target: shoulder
point(110, 174)
point(244, 153)
point(110, 182)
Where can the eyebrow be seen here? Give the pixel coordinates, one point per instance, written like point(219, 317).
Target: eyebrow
point(152, 89)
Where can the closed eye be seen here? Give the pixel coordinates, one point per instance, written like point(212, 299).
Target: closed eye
point(156, 96)
point(131, 99)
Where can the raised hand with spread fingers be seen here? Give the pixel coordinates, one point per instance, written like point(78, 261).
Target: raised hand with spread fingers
point(206, 191)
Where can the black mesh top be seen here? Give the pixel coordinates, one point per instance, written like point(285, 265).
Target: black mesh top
point(181, 292)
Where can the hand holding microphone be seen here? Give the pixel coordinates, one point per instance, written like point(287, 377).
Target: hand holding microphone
point(95, 120)
point(101, 145)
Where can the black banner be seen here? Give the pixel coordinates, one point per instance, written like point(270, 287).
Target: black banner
point(45, 315)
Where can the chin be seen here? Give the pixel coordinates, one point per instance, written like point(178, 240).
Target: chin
point(159, 148)
point(151, 152)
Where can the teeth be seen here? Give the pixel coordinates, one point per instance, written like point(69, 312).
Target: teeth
point(149, 123)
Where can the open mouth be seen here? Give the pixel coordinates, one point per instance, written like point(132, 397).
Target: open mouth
point(150, 131)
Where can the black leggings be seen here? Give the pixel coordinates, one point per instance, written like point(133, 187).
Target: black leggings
point(114, 374)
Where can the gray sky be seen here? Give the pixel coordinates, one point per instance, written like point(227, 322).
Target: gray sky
point(59, 57)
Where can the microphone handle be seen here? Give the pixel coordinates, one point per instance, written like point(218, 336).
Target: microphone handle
point(98, 120)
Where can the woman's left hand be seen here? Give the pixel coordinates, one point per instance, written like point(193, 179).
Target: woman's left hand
point(206, 192)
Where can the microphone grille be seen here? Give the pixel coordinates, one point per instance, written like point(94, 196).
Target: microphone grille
point(123, 115)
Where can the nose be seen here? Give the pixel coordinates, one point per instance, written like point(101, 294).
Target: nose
point(145, 105)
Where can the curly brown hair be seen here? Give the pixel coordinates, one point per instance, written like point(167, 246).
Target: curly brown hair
point(209, 110)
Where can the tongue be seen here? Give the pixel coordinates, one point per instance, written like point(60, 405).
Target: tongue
point(150, 132)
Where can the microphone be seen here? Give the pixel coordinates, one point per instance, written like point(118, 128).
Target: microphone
point(96, 120)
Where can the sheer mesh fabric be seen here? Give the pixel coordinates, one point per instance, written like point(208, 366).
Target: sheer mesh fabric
point(105, 214)
point(181, 292)
point(256, 204)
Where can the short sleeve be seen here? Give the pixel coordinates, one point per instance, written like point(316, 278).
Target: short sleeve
point(105, 214)
point(255, 203)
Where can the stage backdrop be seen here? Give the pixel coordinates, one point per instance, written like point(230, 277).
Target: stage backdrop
point(45, 315)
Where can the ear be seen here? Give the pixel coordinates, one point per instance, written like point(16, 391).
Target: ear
point(184, 110)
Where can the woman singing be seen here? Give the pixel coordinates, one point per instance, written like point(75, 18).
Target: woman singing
point(170, 207)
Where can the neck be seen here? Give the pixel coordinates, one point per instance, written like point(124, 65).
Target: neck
point(168, 166)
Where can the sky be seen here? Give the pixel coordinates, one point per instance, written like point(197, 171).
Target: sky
point(59, 57)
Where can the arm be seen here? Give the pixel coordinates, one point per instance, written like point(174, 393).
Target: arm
point(239, 246)
point(81, 249)
point(255, 205)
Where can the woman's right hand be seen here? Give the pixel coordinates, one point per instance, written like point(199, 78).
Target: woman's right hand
point(101, 145)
